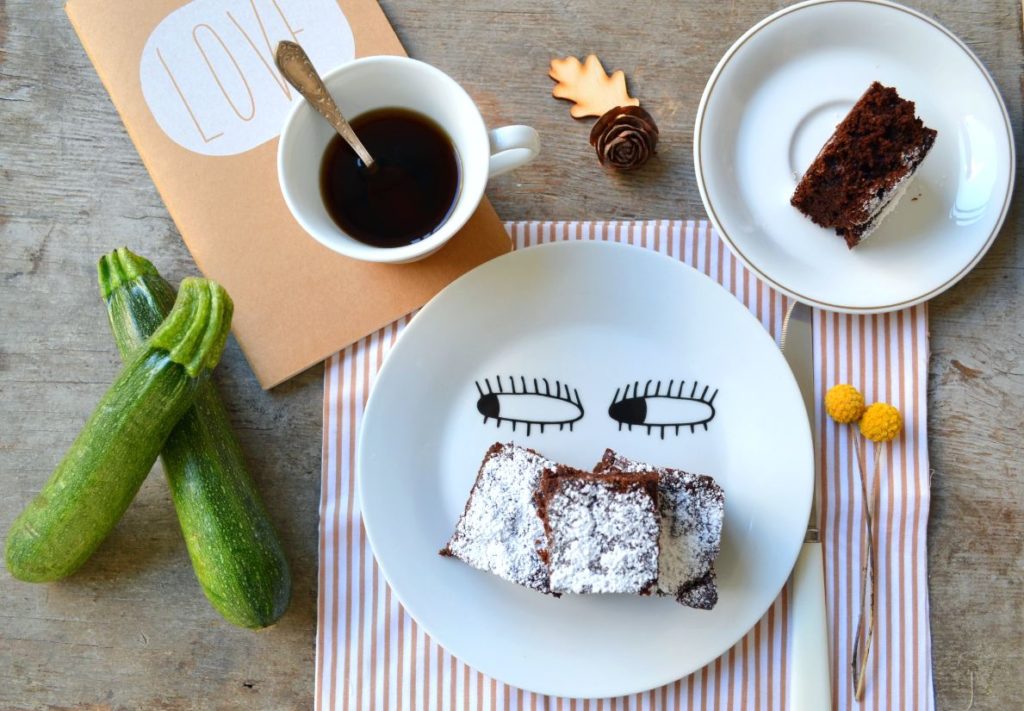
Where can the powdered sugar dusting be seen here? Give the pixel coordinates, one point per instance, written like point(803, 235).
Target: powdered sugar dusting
point(500, 531)
point(602, 540)
point(692, 507)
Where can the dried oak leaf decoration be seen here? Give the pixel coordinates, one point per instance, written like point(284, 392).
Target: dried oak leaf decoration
point(589, 87)
point(625, 136)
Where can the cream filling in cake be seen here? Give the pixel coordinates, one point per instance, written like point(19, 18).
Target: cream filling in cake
point(881, 208)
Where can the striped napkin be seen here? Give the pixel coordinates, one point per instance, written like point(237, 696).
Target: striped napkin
point(370, 654)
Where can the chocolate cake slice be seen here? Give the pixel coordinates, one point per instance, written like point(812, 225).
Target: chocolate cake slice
point(692, 507)
point(500, 531)
point(602, 531)
point(865, 167)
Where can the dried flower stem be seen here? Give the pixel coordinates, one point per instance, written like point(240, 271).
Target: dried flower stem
point(863, 638)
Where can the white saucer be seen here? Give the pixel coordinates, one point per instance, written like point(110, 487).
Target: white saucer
point(774, 99)
point(591, 316)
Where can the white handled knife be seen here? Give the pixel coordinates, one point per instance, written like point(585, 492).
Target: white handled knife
point(810, 682)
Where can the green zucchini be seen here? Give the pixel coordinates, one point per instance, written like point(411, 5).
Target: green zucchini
point(235, 551)
point(101, 473)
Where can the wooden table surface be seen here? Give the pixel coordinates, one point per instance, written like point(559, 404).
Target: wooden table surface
point(131, 630)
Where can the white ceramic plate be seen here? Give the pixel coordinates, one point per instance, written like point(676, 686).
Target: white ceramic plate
point(593, 316)
point(776, 97)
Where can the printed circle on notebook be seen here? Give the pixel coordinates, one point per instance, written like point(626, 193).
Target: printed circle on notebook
point(208, 75)
point(568, 349)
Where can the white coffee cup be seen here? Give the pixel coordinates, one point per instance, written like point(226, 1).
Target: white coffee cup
point(395, 82)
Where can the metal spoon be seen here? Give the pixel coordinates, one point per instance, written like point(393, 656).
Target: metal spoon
point(296, 68)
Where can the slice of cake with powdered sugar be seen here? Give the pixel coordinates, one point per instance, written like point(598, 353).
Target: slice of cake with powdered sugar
point(692, 507)
point(499, 530)
point(602, 531)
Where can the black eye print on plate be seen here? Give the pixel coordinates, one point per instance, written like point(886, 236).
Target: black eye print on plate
point(535, 403)
point(675, 407)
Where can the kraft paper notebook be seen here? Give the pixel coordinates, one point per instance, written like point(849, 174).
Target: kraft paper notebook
point(197, 89)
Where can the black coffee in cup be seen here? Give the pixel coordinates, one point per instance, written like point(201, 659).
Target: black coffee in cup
point(409, 194)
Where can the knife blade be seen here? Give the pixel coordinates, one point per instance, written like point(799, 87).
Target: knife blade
point(798, 349)
point(810, 680)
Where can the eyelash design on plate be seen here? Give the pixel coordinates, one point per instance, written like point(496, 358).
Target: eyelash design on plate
point(521, 402)
point(659, 410)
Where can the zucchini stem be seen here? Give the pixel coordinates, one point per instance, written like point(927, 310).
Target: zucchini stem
point(120, 267)
point(195, 332)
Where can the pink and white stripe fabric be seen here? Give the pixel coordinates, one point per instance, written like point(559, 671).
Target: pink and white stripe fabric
point(371, 655)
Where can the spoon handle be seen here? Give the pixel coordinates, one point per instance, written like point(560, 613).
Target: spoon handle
point(298, 70)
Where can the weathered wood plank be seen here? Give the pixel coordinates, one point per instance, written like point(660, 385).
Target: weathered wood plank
point(132, 630)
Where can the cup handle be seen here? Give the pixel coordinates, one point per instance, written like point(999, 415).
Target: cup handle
point(512, 147)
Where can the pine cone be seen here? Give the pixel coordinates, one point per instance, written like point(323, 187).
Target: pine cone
point(625, 137)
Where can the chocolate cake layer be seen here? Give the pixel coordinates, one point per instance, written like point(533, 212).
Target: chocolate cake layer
point(865, 167)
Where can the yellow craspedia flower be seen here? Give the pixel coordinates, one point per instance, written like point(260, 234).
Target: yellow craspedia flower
point(881, 422)
point(844, 403)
